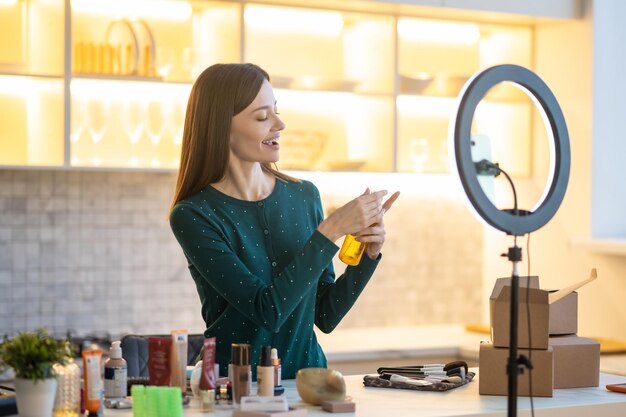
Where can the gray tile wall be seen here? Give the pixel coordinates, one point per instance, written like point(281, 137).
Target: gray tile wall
point(91, 252)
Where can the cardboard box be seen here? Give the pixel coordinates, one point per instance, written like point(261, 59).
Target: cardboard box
point(576, 362)
point(547, 319)
point(564, 315)
point(500, 312)
point(493, 378)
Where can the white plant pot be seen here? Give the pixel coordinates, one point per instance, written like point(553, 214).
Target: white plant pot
point(35, 398)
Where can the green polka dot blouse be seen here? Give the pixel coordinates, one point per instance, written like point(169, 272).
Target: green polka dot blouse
point(263, 272)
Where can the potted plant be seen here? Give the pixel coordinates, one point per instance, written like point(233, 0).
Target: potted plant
point(31, 355)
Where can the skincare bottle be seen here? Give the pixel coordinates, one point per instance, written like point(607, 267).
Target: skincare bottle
point(278, 387)
point(115, 373)
point(241, 371)
point(351, 251)
point(265, 373)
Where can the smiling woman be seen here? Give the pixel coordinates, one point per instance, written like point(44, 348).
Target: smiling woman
point(258, 247)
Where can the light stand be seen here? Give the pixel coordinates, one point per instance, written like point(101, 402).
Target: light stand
point(510, 221)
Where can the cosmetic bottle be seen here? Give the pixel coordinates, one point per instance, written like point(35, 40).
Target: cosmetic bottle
point(67, 401)
point(351, 251)
point(278, 387)
point(242, 373)
point(265, 373)
point(115, 373)
point(92, 366)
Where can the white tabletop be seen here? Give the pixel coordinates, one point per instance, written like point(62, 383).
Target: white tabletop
point(462, 401)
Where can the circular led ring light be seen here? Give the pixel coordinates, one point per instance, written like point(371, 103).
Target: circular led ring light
point(472, 94)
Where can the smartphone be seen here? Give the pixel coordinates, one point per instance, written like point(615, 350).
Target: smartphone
point(617, 387)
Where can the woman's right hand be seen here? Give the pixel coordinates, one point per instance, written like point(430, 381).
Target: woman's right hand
point(356, 215)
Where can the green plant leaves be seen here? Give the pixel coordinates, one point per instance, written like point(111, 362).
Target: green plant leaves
point(32, 354)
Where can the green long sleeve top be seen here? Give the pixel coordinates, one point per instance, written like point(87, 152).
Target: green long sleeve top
point(263, 272)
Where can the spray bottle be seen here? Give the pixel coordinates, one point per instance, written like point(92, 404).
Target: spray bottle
point(115, 373)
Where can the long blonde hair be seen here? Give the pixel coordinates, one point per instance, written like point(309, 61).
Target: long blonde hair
point(220, 92)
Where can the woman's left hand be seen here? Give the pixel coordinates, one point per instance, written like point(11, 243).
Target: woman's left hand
point(374, 235)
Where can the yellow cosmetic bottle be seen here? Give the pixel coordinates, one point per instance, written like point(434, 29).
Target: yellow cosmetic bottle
point(351, 251)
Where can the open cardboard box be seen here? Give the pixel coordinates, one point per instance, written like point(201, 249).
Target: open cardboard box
point(493, 378)
point(546, 319)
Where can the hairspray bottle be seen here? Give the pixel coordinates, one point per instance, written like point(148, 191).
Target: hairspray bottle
point(351, 251)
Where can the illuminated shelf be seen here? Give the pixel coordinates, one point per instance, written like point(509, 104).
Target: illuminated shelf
point(359, 89)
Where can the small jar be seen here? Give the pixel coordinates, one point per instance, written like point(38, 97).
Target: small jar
point(67, 401)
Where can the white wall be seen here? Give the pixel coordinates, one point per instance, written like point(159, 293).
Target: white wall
point(609, 146)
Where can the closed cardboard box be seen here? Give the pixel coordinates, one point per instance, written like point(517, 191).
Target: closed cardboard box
point(564, 315)
point(493, 378)
point(576, 362)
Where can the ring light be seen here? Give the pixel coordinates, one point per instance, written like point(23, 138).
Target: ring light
point(472, 93)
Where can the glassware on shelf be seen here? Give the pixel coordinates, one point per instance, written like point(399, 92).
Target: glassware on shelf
point(154, 128)
point(133, 121)
point(79, 119)
point(176, 123)
point(174, 128)
point(97, 119)
point(165, 62)
point(154, 125)
point(419, 153)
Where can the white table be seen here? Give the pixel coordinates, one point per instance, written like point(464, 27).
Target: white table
point(463, 401)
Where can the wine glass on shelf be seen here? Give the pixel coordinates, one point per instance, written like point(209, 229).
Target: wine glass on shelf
point(418, 153)
point(133, 121)
point(154, 128)
point(97, 118)
point(175, 128)
point(78, 119)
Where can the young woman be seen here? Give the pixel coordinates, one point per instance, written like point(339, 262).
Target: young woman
point(257, 244)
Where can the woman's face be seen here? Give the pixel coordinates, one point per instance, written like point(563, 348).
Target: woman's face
point(255, 132)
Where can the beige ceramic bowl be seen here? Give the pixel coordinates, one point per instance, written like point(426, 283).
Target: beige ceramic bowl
point(316, 385)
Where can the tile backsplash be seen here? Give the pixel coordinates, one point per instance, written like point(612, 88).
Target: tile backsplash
point(91, 252)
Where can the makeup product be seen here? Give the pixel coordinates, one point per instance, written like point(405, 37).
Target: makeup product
point(159, 350)
point(265, 404)
point(208, 377)
point(339, 406)
point(278, 388)
point(351, 251)
point(115, 373)
point(178, 359)
point(68, 395)
point(92, 360)
point(242, 374)
point(450, 369)
point(138, 393)
point(406, 380)
point(265, 373)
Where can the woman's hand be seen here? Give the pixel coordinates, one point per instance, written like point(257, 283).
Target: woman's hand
point(355, 216)
point(374, 236)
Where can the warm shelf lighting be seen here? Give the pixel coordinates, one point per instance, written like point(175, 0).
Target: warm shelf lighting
point(432, 31)
point(425, 106)
point(125, 90)
point(293, 21)
point(135, 9)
